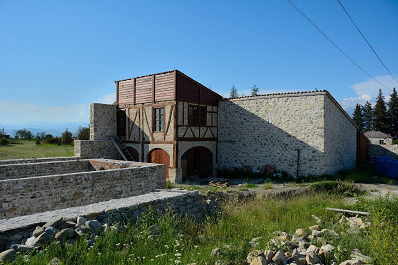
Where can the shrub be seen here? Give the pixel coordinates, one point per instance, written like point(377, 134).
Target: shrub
point(4, 141)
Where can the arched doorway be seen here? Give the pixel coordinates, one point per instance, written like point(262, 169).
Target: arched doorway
point(134, 153)
point(159, 156)
point(197, 162)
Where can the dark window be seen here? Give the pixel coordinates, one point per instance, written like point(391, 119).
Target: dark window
point(159, 119)
point(196, 115)
point(203, 116)
point(193, 115)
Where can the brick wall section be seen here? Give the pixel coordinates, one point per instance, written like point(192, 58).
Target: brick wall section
point(340, 138)
point(38, 194)
point(264, 130)
point(96, 149)
point(102, 121)
point(15, 171)
point(378, 150)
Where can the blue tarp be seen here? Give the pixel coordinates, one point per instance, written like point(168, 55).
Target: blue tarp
point(387, 165)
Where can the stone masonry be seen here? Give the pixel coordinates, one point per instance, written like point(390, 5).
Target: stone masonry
point(21, 196)
point(270, 129)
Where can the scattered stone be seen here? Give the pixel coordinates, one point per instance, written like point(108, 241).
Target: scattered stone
point(279, 258)
point(8, 255)
point(68, 224)
point(315, 227)
point(301, 233)
point(312, 258)
point(25, 248)
point(81, 220)
point(43, 239)
point(268, 254)
point(326, 251)
point(94, 225)
point(65, 234)
point(316, 233)
point(260, 260)
point(254, 242)
point(51, 230)
point(31, 241)
point(216, 252)
point(317, 219)
point(54, 261)
point(252, 255)
point(153, 230)
point(38, 231)
point(356, 254)
point(57, 221)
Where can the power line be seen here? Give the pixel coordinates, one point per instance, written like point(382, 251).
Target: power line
point(366, 40)
point(320, 31)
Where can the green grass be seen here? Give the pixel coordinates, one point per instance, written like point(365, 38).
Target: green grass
point(182, 239)
point(28, 149)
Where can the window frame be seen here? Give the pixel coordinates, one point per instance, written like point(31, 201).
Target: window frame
point(197, 115)
point(158, 119)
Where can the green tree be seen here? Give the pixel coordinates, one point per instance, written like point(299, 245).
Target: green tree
point(24, 134)
point(83, 133)
point(358, 117)
point(66, 137)
point(367, 117)
point(393, 113)
point(380, 114)
point(255, 90)
point(234, 92)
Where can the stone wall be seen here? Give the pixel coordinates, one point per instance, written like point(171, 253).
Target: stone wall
point(15, 171)
point(180, 202)
point(102, 121)
point(96, 149)
point(262, 130)
point(36, 160)
point(38, 194)
point(378, 150)
point(340, 138)
point(257, 131)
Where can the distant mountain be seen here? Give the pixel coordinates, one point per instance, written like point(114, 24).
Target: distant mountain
point(54, 128)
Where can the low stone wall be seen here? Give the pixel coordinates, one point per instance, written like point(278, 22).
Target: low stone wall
point(96, 149)
point(38, 194)
point(180, 202)
point(36, 160)
point(26, 170)
point(378, 150)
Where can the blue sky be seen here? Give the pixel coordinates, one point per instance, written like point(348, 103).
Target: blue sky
point(57, 57)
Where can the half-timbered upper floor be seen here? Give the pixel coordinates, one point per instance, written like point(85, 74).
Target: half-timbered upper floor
point(166, 107)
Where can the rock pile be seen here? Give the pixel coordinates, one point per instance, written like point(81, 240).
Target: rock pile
point(303, 248)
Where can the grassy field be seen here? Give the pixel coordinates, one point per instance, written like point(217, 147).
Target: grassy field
point(182, 241)
point(28, 149)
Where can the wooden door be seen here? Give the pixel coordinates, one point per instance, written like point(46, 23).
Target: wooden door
point(159, 156)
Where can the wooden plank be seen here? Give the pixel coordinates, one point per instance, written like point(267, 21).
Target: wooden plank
point(347, 211)
point(153, 88)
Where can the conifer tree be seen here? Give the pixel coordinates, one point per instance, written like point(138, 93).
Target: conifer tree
point(380, 114)
point(255, 90)
point(358, 117)
point(367, 117)
point(234, 92)
point(393, 113)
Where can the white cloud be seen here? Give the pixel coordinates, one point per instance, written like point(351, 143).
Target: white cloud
point(108, 99)
point(12, 112)
point(349, 103)
point(368, 90)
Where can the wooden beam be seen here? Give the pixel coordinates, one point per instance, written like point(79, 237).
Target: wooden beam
point(153, 89)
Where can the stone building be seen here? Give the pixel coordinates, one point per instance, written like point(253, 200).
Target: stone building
point(378, 137)
point(171, 119)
